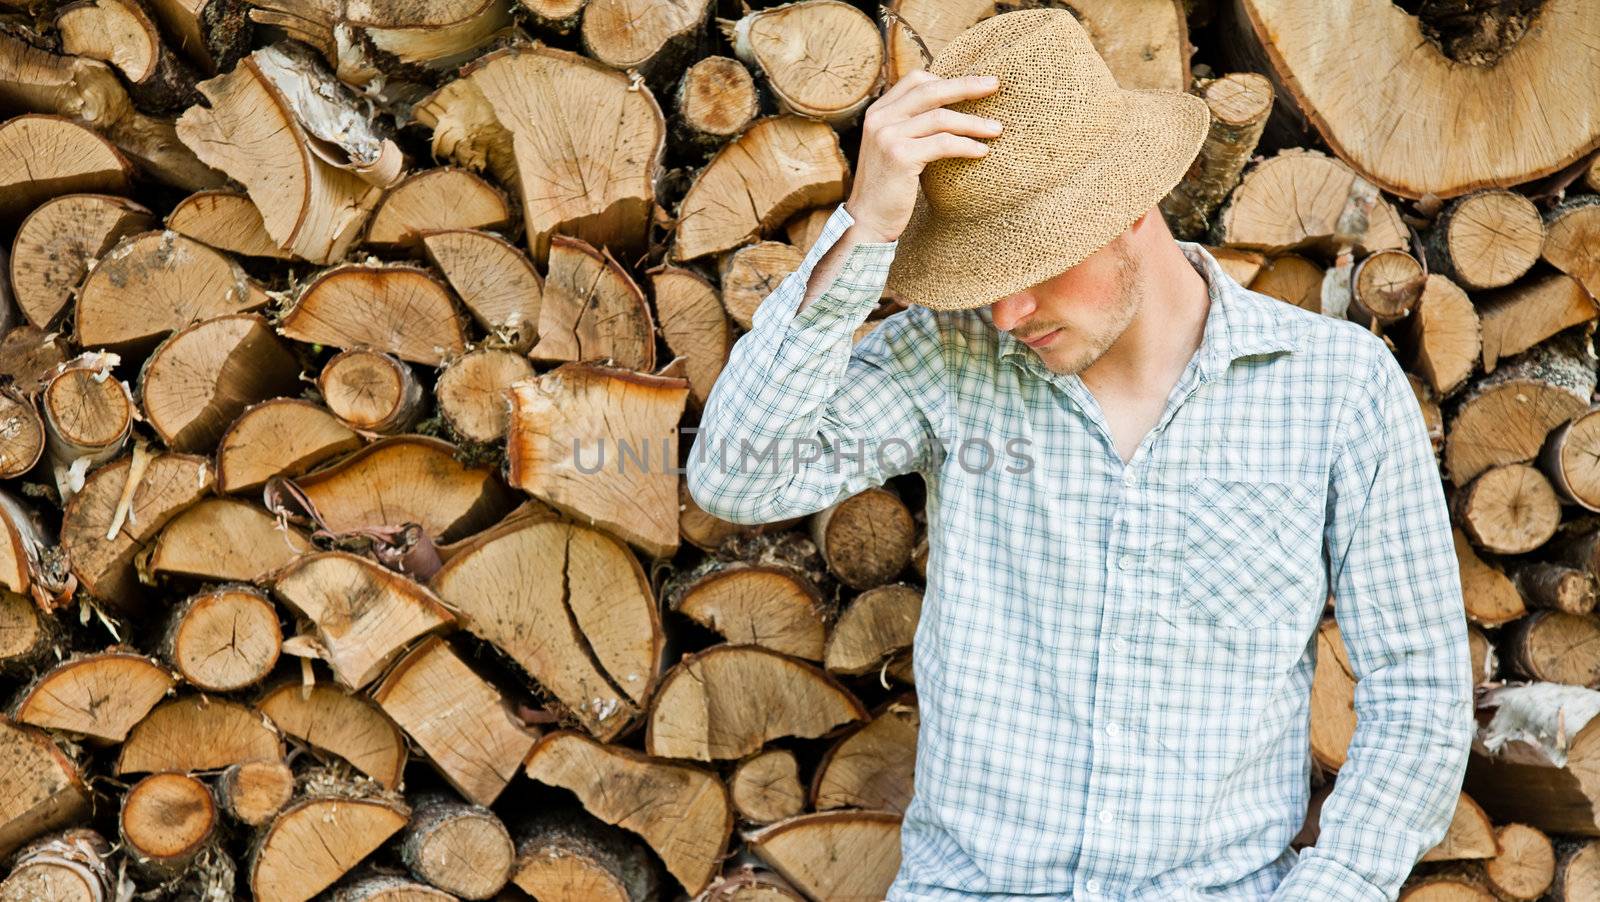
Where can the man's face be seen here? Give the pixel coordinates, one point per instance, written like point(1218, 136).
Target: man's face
point(1087, 307)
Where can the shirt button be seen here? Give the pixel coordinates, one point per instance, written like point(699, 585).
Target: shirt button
point(1092, 885)
point(1105, 815)
point(1120, 644)
point(1127, 478)
point(1113, 729)
point(1125, 562)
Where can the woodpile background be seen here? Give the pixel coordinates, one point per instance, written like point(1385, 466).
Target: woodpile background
point(307, 303)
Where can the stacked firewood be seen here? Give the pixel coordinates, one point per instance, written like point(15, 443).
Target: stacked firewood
point(319, 321)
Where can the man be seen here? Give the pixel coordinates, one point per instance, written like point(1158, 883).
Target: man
point(1143, 482)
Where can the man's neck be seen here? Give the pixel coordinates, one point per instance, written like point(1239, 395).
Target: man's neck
point(1164, 334)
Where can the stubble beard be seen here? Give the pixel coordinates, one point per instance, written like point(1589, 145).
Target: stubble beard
point(1126, 307)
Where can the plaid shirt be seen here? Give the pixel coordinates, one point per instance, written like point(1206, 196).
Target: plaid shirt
point(1113, 663)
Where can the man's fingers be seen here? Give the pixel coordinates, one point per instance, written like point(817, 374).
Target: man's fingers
point(935, 92)
point(942, 119)
point(905, 83)
point(921, 151)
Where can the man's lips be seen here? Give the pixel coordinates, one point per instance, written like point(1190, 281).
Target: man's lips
point(1041, 340)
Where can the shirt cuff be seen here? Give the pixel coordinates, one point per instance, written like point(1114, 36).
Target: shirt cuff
point(858, 286)
point(1319, 878)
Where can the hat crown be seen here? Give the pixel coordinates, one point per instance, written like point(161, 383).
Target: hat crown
point(1057, 100)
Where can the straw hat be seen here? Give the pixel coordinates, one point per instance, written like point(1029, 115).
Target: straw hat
point(1078, 161)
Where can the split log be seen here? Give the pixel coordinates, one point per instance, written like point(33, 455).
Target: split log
point(88, 416)
point(408, 479)
point(1556, 587)
point(1577, 871)
point(757, 695)
point(333, 720)
point(129, 500)
point(1508, 509)
point(694, 324)
point(747, 275)
point(1554, 646)
point(40, 787)
point(226, 220)
point(1570, 228)
point(791, 43)
point(384, 888)
point(1470, 835)
point(803, 850)
point(744, 192)
point(403, 310)
point(253, 792)
point(22, 436)
point(637, 35)
point(466, 130)
point(715, 100)
point(70, 866)
point(495, 281)
point(213, 33)
point(1526, 865)
point(90, 93)
point(365, 615)
point(1384, 287)
point(630, 415)
point(29, 357)
point(100, 696)
point(1333, 707)
point(22, 547)
point(200, 380)
point(224, 639)
point(154, 283)
point(1519, 317)
point(1445, 335)
point(555, 17)
point(122, 33)
point(877, 624)
point(1239, 103)
point(592, 310)
point(865, 538)
point(371, 392)
point(377, 43)
point(1296, 199)
point(197, 732)
point(680, 810)
point(280, 124)
point(1505, 417)
point(44, 156)
point(166, 821)
point(460, 721)
point(765, 787)
point(473, 393)
point(58, 242)
point(1485, 663)
point(804, 228)
point(1428, 148)
point(281, 437)
point(571, 606)
point(1290, 278)
point(28, 635)
point(1533, 763)
point(462, 849)
point(1485, 239)
point(321, 836)
point(872, 766)
point(1569, 456)
point(1145, 45)
point(568, 855)
point(527, 89)
point(771, 606)
point(224, 539)
point(434, 199)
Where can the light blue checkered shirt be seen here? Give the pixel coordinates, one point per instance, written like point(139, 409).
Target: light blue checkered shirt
point(1113, 663)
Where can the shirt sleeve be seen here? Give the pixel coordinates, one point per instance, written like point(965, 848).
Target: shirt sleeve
point(799, 418)
point(1398, 603)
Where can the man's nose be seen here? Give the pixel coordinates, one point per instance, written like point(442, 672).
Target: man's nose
point(1010, 310)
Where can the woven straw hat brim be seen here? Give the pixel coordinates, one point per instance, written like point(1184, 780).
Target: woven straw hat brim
point(956, 263)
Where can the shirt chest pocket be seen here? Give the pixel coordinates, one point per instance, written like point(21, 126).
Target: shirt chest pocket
point(1252, 552)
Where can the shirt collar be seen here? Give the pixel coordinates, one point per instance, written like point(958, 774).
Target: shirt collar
point(1234, 327)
